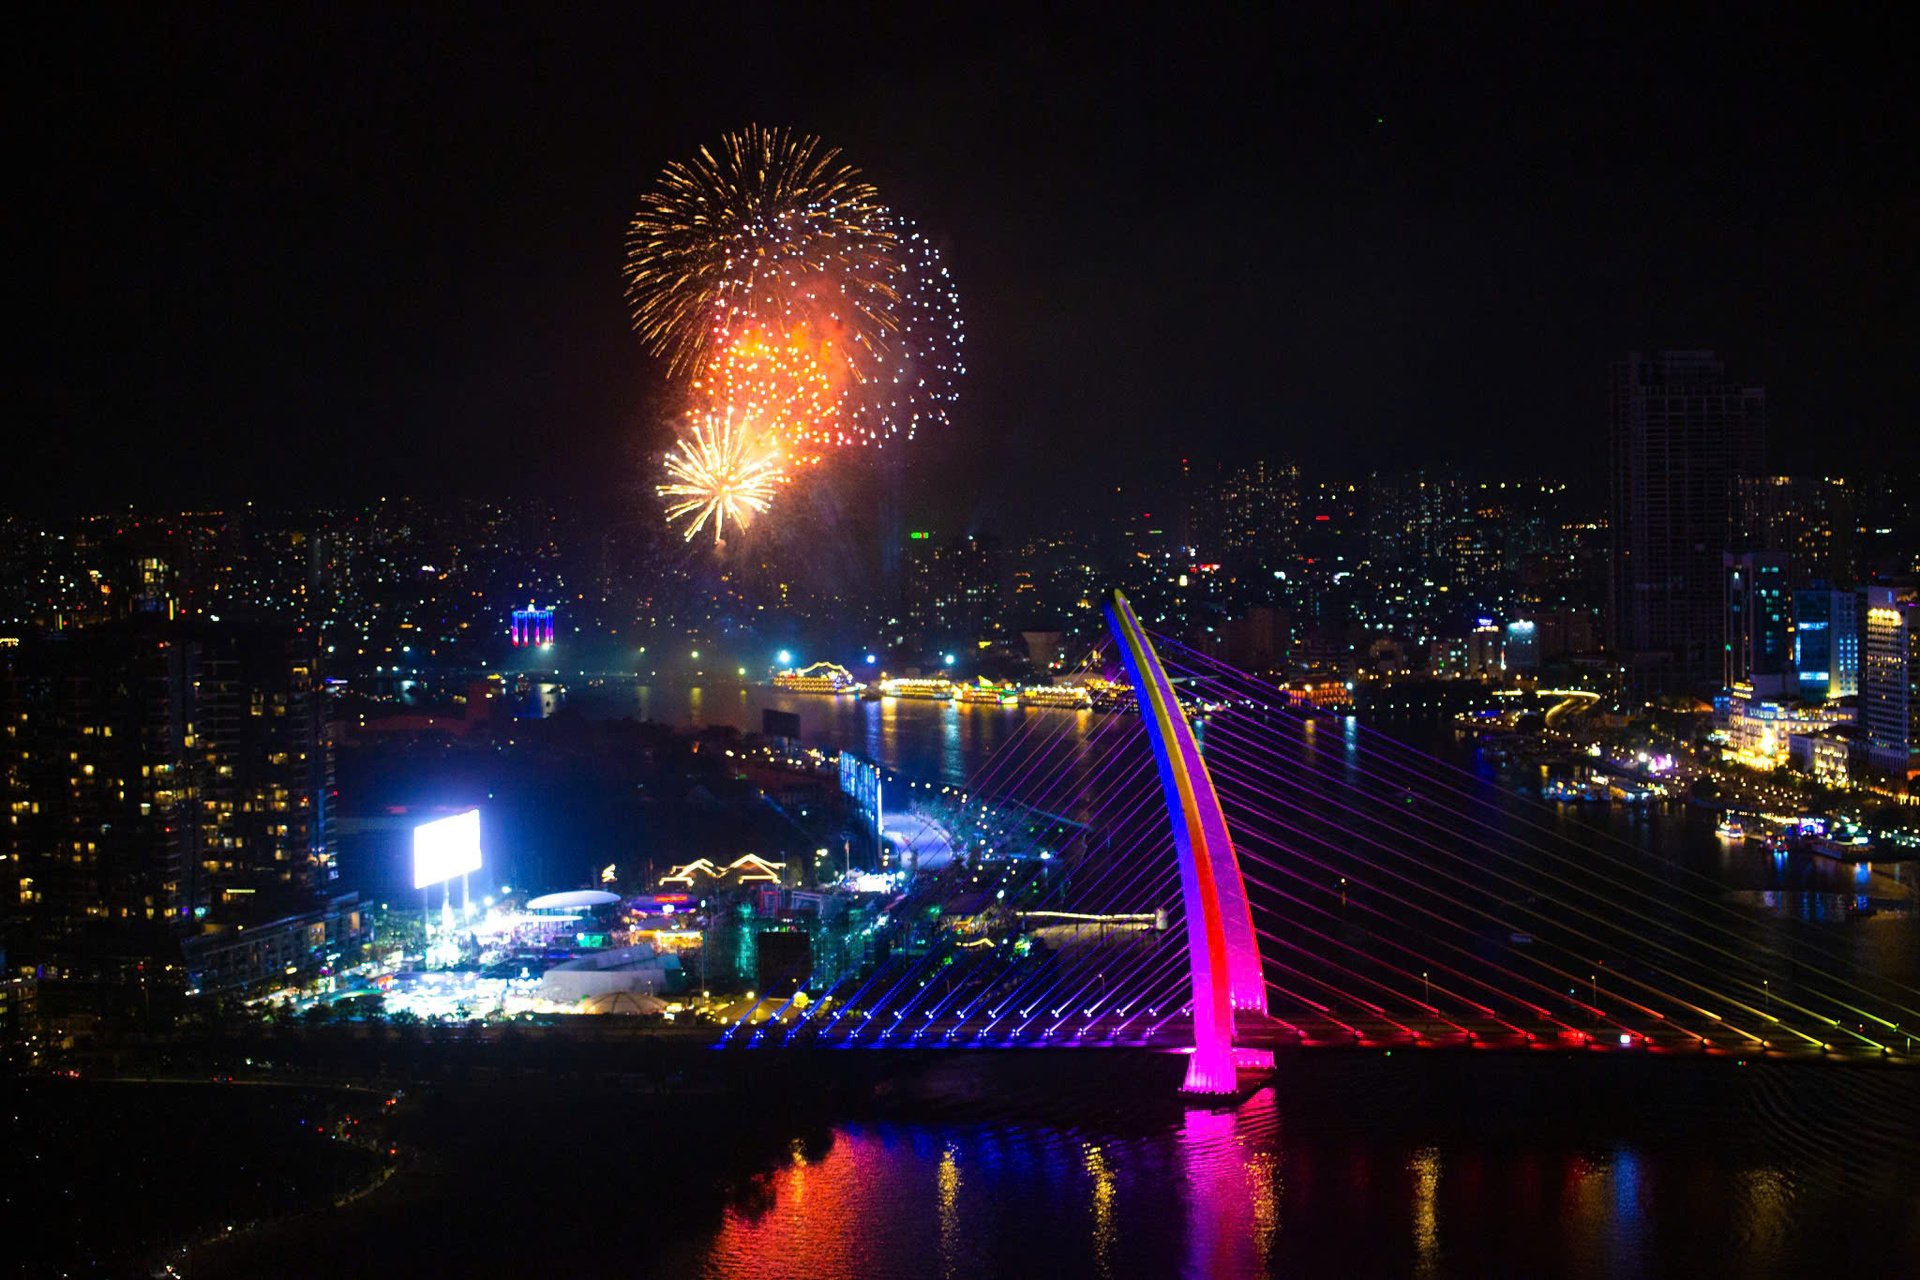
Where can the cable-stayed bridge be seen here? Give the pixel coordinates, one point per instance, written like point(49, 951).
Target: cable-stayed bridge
point(1269, 876)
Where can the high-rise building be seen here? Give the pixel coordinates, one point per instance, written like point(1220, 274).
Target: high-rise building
point(1681, 433)
point(162, 773)
point(1809, 519)
point(1759, 643)
point(1826, 643)
point(1890, 680)
point(1413, 518)
point(954, 589)
point(264, 768)
point(96, 777)
point(1250, 514)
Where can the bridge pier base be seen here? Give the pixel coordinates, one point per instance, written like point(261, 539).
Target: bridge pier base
point(1212, 1071)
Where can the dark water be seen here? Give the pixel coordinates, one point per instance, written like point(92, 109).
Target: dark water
point(1359, 1165)
point(933, 741)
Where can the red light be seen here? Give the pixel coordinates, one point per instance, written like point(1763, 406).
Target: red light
point(1323, 518)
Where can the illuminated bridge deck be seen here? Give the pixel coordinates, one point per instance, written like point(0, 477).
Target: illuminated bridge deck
point(1175, 1034)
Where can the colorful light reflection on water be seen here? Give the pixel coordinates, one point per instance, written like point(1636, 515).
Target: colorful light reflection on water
point(1265, 1189)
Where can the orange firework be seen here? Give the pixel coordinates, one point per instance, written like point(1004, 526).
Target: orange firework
point(788, 384)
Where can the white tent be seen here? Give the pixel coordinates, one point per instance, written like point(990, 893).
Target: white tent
point(599, 973)
point(629, 1002)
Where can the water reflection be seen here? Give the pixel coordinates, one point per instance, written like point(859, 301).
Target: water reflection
point(1102, 1174)
point(1426, 1213)
point(1766, 1211)
point(1232, 1188)
point(1356, 1172)
point(949, 1191)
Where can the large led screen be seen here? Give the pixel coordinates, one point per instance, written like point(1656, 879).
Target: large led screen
point(446, 848)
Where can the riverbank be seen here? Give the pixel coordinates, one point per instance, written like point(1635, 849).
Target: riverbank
point(109, 1178)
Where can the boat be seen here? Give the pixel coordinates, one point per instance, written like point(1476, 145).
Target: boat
point(1070, 697)
point(821, 677)
point(938, 689)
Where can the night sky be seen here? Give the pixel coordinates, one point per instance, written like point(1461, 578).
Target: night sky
point(326, 257)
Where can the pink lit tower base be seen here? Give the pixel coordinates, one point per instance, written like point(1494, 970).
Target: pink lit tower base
point(1220, 940)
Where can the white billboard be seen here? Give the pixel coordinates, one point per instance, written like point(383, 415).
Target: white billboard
point(446, 848)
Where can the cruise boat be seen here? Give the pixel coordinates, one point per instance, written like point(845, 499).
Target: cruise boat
point(821, 677)
point(985, 693)
point(937, 689)
point(1069, 696)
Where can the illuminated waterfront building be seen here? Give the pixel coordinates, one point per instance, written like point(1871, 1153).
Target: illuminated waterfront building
point(1484, 649)
point(1523, 645)
point(1759, 729)
point(532, 628)
point(1826, 755)
point(1681, 433)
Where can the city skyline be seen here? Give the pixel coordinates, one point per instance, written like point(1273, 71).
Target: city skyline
point(1310, 240)
point(1231, 642)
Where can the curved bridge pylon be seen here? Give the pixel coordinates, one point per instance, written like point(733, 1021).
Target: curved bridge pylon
point(1225, 958)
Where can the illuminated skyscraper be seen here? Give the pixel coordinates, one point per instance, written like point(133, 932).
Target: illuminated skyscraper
point(1759, 644)
point(954, 588)
point(264, 771)
point(1680, 435)
point(1890, 681)
point(1250, 514)
point(96, 778)
point(162, 773)
point(1809, 519)
point(1826, 643)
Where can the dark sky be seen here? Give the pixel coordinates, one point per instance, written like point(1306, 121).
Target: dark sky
point(362, 251)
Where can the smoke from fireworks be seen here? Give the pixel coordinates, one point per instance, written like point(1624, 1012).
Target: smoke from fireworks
point(795, 305)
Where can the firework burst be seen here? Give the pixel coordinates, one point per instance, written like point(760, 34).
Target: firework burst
point(917, 376)
point(771, 231)
point(782, 383)
point(801, 313)
point(721, 471)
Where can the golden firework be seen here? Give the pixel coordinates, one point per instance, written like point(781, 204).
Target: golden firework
point(721, 470)
point(771, 231)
